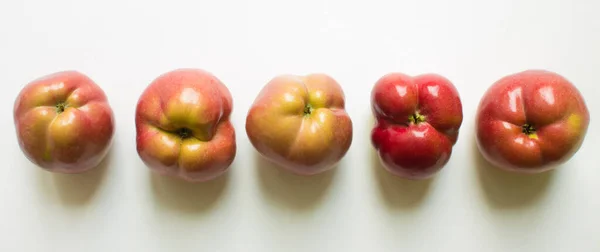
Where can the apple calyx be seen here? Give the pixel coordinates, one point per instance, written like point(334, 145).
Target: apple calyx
point(184, 133)
point(529, 130)
point(307, 110)
point(60, 107)
point(416, 118)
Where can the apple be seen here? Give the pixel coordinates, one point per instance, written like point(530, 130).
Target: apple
point(417, 123)
point(64, 122)
point(531, 121)
point(299, 122)
point(183, 129)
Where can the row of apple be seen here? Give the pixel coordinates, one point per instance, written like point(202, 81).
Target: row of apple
point(527, 122)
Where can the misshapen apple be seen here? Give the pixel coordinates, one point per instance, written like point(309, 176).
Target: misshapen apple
point(531, 121)
point(418, 120)
point(183, 128)
point(300, 123)
point(64, 122)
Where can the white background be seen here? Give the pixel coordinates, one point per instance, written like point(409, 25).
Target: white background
point(124, 45)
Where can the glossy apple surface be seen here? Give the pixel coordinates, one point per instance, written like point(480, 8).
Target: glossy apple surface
point(64, 122)
point(183, 128)
point(417, 123)
point(531, 121)
point(300, 123)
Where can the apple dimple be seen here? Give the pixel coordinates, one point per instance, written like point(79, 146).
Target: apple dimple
point(60, 107)
point(529, 130)
point(307, 109)
point(184, 133)
point(186, 110)
point(416, 118)
point(65, 100)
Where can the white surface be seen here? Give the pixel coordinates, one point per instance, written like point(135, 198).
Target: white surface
point(123, 45)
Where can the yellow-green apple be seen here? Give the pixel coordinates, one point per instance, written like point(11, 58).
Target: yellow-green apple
point(64, 122)
point(531, 121)
point(300, 123)
point(183, 128)
point(417, 123)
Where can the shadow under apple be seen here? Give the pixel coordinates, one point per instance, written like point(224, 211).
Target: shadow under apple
point(506, 190)
point(289, 190)
point(78, 189)
point(397, 192)
point(187, 197)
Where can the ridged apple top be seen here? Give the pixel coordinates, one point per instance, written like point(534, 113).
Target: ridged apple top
point(300, 122)
point(535, 116)
point(402, 100)
point(63, 120)
point(190, 99)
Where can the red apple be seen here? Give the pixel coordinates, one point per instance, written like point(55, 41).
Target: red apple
point(300, 123)
point(531, 121)
point(64, 122)
point(183, 128)
point(418, 120)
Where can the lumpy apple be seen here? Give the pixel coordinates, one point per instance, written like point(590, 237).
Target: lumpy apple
point(417, 123)
point(531, 121)
point(300, 123)
point(64, 122)
point(183, 127)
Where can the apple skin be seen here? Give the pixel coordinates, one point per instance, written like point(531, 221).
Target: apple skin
point(542, 99)
point(183, 128)
point(418, 119)
point(64, 122)
point(300, 123)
